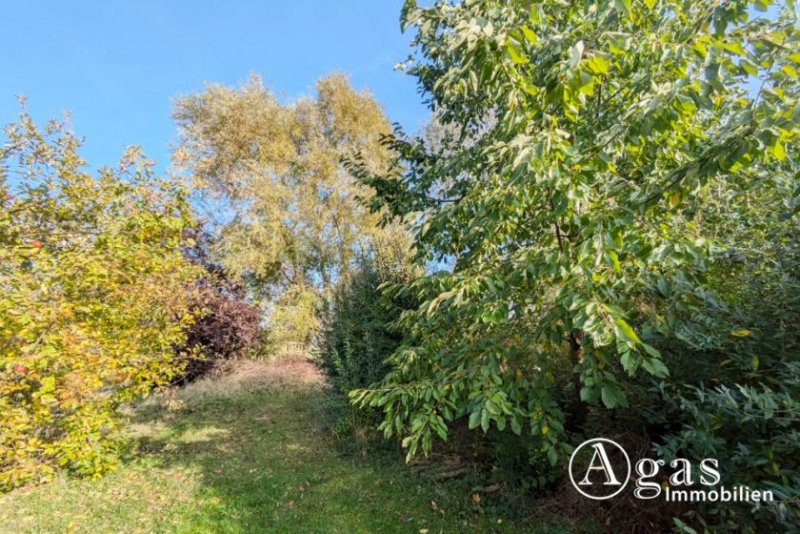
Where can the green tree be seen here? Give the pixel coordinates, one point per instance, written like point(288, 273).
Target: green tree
point(94, 298)
point(359, 331)
point(580, 143)
point(292, 219)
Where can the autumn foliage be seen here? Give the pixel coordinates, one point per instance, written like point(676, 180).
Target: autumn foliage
point(94, 296)
point(227, 326)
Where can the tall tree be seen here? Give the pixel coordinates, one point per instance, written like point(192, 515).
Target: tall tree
point(568, 187)
point(291, 215)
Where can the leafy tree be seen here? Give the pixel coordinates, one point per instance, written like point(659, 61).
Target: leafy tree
point(292, 216)
point(94, 296)
point(581, 143)
point(360, 332)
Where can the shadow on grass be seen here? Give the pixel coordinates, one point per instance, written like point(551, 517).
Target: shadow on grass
point(266, 464)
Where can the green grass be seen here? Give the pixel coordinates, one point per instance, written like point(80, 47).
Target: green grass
point(246, 457)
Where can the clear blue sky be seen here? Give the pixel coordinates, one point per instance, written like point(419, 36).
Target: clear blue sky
point(116, 65)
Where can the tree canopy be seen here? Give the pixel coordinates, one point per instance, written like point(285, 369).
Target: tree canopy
point(584, 146)
point(290, 213)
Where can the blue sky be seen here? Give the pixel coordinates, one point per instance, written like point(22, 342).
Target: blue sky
point(116, 66)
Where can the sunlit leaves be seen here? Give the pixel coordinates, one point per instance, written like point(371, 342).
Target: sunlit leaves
point(588, 138)
point(290, 216)
point(94, 300)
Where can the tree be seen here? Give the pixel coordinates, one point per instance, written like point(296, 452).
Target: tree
point(294, 220)
point(94, 296)
point(581, 143)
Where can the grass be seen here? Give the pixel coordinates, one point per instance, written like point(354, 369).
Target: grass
point(247, 453)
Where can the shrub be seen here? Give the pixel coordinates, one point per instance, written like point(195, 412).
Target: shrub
point(93, 299)
point(227, 326)
point(359, 333)
point(735, 385)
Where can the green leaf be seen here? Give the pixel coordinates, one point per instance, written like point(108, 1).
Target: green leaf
point(501, 423)
point(597, 65)
point(607, 396)
point(515, 55)
point(474, 419)
point(661, 284)
point(590, 394)
point(652, 351)
point(629, 361)
point(552, 456)
point(749, 67)
point(655, 367)
point(778, 151)
point(734, 48)
point(614, 260)
point(623, 6)
point(516, 427)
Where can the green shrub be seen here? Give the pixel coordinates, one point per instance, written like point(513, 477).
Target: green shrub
point(735, 382)
point(360, 331)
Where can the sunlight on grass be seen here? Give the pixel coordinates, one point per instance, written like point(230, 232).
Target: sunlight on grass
point(251, 460)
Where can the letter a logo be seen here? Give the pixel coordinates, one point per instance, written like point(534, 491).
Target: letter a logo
point(597, 463)
point(605, 466)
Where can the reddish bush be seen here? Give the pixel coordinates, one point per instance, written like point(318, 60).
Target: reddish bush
point(229, 325)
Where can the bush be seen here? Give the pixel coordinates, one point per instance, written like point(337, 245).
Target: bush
point(227, 326)
point(94, 296)
point(359, 333)
point(735, 384)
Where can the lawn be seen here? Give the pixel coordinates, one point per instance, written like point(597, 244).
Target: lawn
point(248, 453)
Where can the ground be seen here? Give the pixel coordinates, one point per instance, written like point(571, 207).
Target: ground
point(248, 452)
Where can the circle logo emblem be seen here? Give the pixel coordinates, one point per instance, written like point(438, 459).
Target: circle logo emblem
point(599, 468)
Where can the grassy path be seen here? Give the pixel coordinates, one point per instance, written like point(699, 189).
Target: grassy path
point(246, 453)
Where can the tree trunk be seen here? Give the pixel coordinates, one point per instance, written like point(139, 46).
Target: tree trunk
point(576, 356)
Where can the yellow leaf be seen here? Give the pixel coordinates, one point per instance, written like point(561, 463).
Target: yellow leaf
point(529, 35)
point(779, 152)
point(740, 332)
